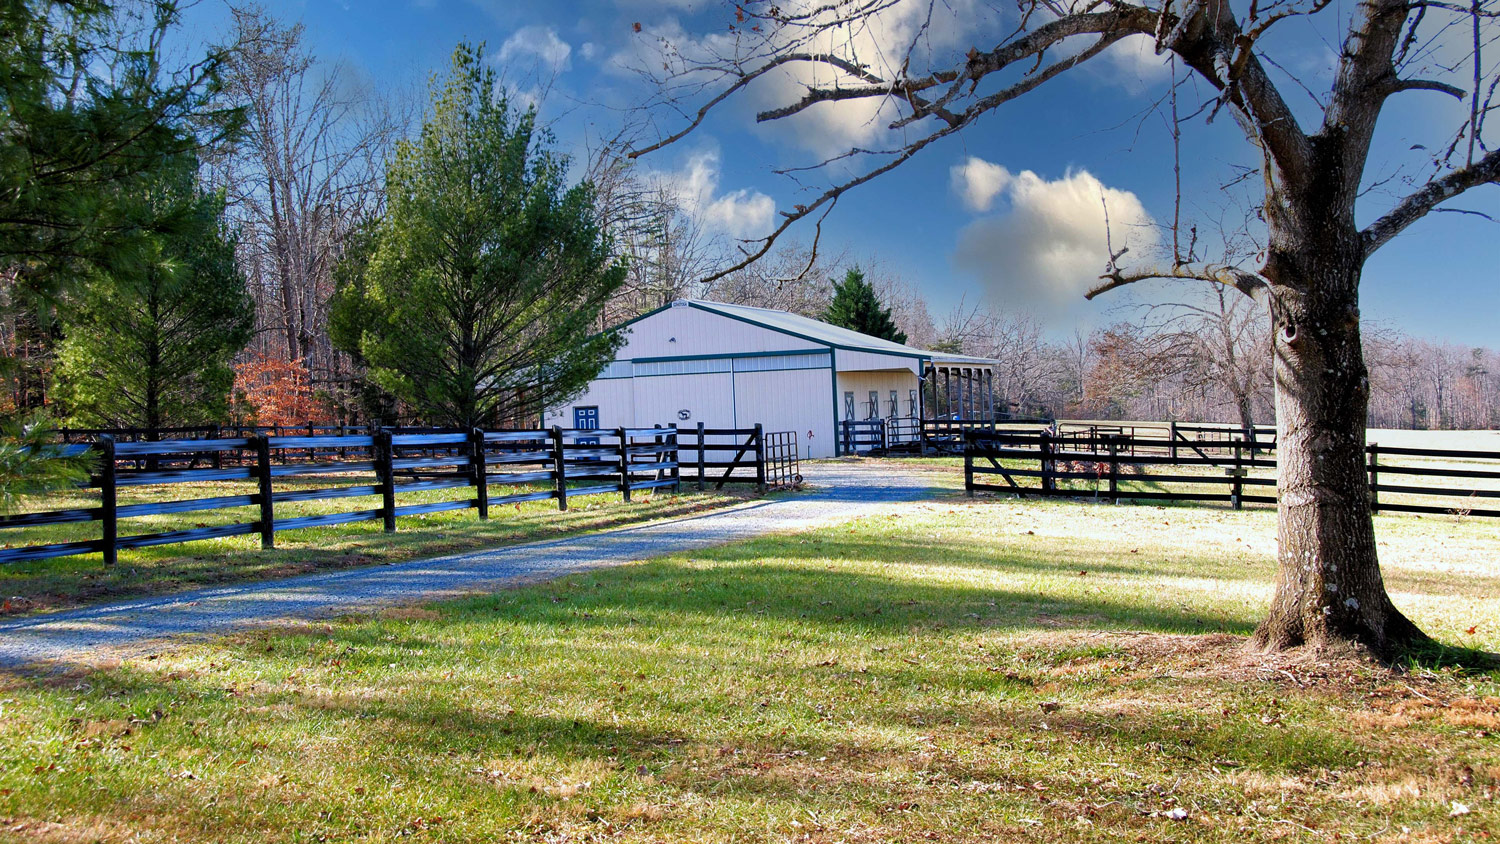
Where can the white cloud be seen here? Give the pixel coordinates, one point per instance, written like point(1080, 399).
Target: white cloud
point(540, 44)
point(880, 41)
point(1047, 246)
point(1133, 64)
point(979, 182)
point(742, 213)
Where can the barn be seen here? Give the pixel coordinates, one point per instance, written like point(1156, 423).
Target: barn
point(733, 366)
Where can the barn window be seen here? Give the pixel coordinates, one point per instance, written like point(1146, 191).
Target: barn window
point(895, 405)
point(849, 405)
point(874, 409)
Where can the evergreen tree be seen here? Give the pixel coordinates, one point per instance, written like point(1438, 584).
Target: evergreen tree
point(151, 347)
point(90, 118)
point(855, 306)
point(481, 293)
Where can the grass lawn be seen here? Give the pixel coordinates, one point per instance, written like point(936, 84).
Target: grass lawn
point(72, 581)
point(968, 671)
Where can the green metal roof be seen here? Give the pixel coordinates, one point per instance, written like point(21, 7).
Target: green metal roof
point(830, 335)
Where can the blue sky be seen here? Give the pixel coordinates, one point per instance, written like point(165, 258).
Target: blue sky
point(1011, 225)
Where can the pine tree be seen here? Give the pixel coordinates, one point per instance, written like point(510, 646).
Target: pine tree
point(90, 118)
point(856, 306)
point(484, 284)
point(151, 347)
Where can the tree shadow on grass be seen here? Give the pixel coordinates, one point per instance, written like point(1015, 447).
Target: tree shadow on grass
point(416, 736)
point(446, 676)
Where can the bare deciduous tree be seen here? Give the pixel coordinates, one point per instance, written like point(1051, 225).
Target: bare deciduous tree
point(1329, 588)
point(307, 174)
point(665, 249)
point(1221, 342)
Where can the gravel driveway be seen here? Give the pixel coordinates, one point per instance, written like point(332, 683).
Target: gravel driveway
point(840, 491)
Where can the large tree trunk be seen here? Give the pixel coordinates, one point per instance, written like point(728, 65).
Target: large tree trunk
point(1329, 589)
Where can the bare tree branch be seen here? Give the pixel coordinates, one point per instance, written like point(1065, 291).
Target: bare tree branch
point(1416, 206)
point(1248, 283)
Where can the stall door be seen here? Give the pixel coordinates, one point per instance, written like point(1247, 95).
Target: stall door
point(586, 419)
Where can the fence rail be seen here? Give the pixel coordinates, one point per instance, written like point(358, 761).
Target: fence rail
point(1237, 472)
point(535, 465)
point(723, 455)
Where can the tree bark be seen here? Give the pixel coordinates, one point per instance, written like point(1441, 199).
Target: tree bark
point(1329, 589)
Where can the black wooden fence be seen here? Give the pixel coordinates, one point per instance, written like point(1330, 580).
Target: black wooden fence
point(1232, 471)
point(722, 456)
point(553, 464)
point(1167, 438)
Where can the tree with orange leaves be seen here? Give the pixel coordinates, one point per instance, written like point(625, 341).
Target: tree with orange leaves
point(278, 391)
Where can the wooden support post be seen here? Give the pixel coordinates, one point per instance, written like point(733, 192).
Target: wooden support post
point(560, 466)
point(623, 456)
point(1172, 439)
point(109, 515)
point(1112, 444)
point(385, 472)
point(1049, 483)
point(675, 459)
point(701, 460)
point(481, 472)
point(218, 456)
point(1374, 477)
point(267, 508)
point(760, 457)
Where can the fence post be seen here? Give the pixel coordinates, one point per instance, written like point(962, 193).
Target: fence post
point(267, 510)
point(1112, 443)
point(1238, 489)
point(1374, 477)
point(760, 457)
point(385, 472)
point(623, 457)
point(218, 456)
point(676, 460)
point(969, 465)
point(109, 515)
point(1048, 482)
point(1172, 439)
point(561, 467)
point(481, 472)
point(701, 458)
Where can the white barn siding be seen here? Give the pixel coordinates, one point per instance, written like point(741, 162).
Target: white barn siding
point(882, 382)
point(789, 400)
point(708, 398)
point(615, 398)
point(867, 361)
point(692, 331)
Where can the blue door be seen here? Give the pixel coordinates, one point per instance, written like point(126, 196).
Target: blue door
point(586, 419)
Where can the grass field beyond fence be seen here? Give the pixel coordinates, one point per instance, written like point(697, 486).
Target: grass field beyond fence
point(968, 671)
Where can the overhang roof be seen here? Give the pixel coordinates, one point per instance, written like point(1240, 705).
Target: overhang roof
point(829, 335)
